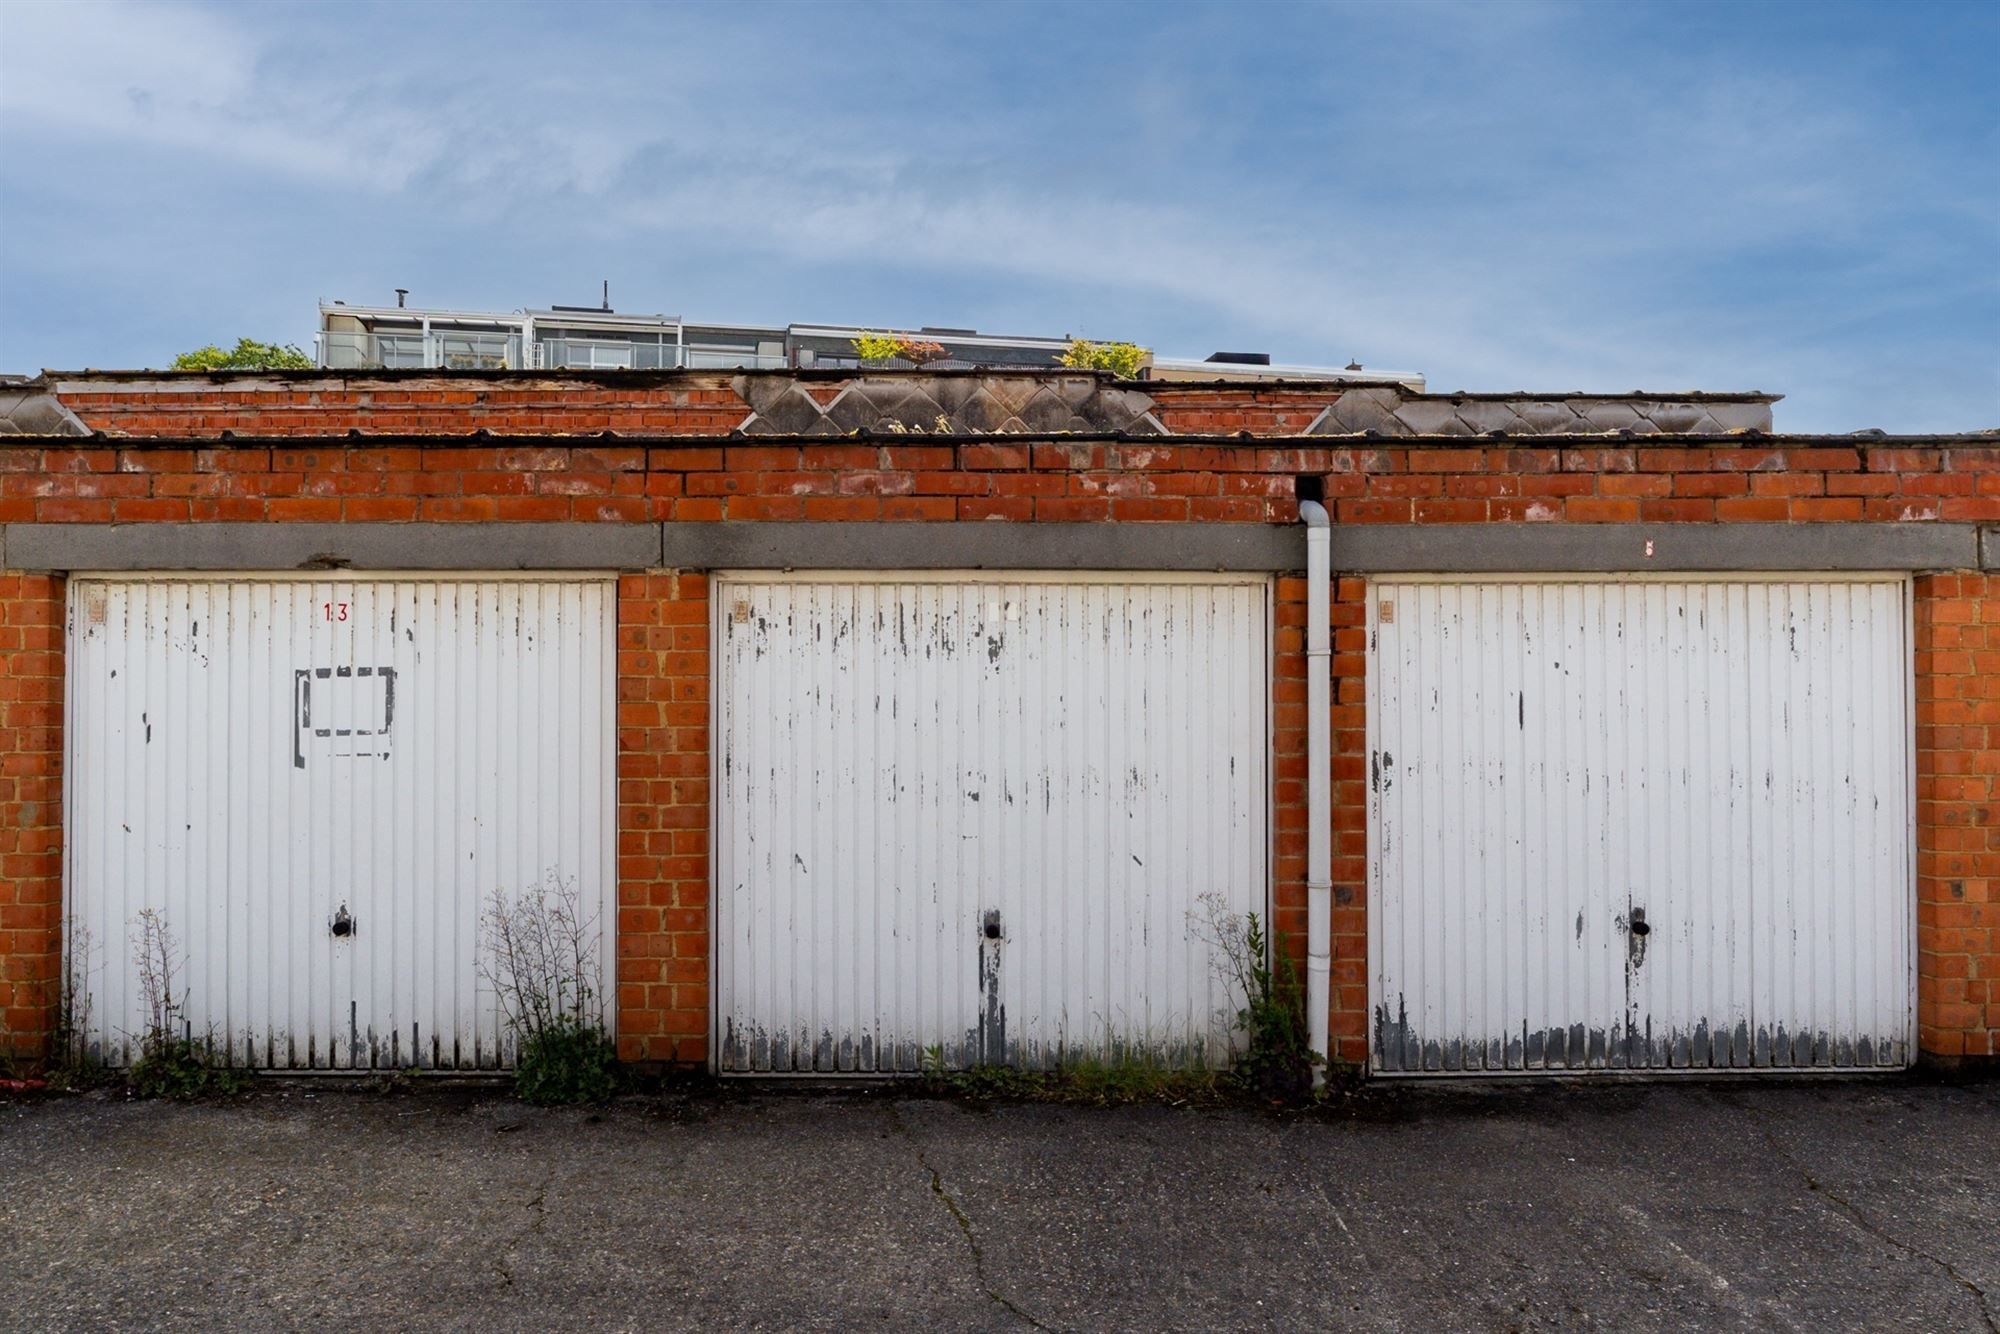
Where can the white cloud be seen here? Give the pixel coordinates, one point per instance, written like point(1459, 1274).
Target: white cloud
point(1580, 231)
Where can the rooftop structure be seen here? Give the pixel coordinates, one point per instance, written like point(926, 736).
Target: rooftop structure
point(403, 337)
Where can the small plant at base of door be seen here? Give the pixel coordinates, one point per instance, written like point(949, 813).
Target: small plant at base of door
point(172, 1063)
point(1278, 1058)
point(538, 950)
point(72, 1065)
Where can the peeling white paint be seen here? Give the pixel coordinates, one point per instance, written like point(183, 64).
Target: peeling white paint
point(252, 755)
point(1652, 823)
point(899, 757)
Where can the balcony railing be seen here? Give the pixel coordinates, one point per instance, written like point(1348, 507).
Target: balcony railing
point(600, 354)
point(453, 350)
point(603, 354)
point(458, 350)
point(722, 359)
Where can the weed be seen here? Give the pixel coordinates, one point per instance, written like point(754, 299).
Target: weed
point(565, 1062)
point(1278, 1058)
point(539, 951)
point(172, 1062)
point(72, 1066)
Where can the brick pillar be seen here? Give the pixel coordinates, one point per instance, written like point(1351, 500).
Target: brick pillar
point(1348, 1020)
point(31, 694)
point(663, 776)
point(1958, 817)
point(1350, 821)
point(1288, 774)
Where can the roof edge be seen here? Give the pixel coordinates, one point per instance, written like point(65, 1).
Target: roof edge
point(1989, 437)
point(820, 375)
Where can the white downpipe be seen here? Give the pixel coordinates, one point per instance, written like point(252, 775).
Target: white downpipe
point(1319, 780)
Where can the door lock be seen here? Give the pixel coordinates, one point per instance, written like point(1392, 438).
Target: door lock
point(1639, 927)
point(992, 926)
point(343, 925)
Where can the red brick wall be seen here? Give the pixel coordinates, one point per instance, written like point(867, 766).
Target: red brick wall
point(31, 693)
point(663, 776)
point(1958, 815)
point(614, 482)
point(696, 406)
point(1192, 410)
point(663, 743)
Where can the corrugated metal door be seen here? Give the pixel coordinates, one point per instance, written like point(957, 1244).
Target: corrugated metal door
point(317, 784)
point(973, 820)
point(1651, 825)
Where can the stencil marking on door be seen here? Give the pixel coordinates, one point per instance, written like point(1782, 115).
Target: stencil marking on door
point(350, 709)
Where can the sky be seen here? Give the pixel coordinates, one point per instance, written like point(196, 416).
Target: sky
point(1792, 197)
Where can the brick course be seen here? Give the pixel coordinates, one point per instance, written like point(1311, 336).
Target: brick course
point(625, 481)
point(198, 408)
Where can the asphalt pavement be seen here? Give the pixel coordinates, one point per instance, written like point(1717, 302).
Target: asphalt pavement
point(1802, 1205)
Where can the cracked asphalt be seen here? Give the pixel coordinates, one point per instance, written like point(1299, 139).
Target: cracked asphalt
point(1641, 1206)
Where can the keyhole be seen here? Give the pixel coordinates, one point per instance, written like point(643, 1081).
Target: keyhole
point(993, 924)
point(343, 925)
point(1639, 927)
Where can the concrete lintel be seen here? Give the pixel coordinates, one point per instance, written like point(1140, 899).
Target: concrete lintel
point(1989, 548)
point(983, 545)
point(360, 546)
point(1357, 548)
point(1632, 548)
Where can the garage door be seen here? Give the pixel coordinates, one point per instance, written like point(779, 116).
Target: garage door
point(316, 784)
point(966, 820)
point(1640, 825)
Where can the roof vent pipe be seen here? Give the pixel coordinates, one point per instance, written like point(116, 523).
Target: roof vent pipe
point(1319, 780)
point(402, 295)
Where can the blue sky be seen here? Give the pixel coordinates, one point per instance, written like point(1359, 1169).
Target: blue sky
point(1801, 198)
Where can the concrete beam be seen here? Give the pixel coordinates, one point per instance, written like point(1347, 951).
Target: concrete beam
point(359, 546)
point(984, 546)
point(1630, 548)
point(1357, 548)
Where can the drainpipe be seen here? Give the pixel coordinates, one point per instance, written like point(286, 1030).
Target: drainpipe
point(1319, 780)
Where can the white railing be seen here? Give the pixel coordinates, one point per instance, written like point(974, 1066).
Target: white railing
point(717, 359)
point(453, 349)
point(462, 350)
point(602, 354)
point(599, 354)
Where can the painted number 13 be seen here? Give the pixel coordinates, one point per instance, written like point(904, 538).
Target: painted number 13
point(334, 611)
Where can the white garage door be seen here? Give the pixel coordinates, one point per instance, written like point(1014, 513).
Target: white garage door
point(972, 820)
point(1651, 825)
point(316, 784)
